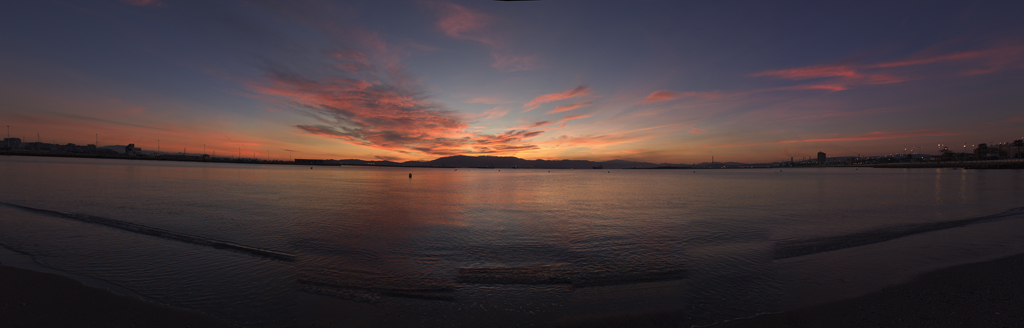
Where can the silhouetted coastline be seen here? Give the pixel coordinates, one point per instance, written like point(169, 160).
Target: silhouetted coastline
point(489, 162)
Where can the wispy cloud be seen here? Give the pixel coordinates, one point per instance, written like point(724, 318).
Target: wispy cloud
point(102, 120)
point(495, 112)
point(465, 24)
point(510, 63)
point(877, 135)
point(811, 72)
point(486, 100)
point(923, 60)
point(462, 23)
point(566, 108)
point(838, 77)
point(543, 99)
point(383, 114)
point(591, 141)
point(665, 95)
point(546, 123)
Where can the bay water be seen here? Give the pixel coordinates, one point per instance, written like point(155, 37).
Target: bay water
point(281, 245)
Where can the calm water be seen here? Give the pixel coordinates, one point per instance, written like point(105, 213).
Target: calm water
point(499, 247)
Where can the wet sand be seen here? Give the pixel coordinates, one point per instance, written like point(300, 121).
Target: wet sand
point(987, 294)
point(35, 299)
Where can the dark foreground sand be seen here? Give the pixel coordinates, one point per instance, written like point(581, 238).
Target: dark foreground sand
point(989, 294)
point(34, 299)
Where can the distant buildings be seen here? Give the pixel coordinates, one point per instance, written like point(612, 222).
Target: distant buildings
point(821, 158)
point(131, 150)
point(12, 143)
point(316, 161)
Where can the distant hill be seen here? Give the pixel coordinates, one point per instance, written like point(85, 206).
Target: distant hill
point(511, 162)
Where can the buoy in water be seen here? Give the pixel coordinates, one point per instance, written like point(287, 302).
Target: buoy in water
point(410, 175)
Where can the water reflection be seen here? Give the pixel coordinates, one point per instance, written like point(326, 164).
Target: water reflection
point(488, 247)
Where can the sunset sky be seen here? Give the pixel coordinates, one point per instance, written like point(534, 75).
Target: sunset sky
point(655, 81)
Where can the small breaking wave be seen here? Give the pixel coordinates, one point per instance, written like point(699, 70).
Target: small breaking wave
point(788, 249)
point(565, 274)
point(157, 232)
point(371, 295)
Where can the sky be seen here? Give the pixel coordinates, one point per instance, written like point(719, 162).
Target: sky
point(654, 81)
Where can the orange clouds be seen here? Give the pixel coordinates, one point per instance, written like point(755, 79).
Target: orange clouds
point(383, 114)
point(566, 108)
point(543, 99)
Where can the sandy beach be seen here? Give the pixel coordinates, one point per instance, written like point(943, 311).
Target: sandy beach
point(987, 294)
point(984, 294)
point(35, 299)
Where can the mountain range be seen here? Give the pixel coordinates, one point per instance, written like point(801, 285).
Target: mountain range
point(515, 162)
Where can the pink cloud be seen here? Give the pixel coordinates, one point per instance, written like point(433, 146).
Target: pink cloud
point(566, 108)
point(495, 112)
point(660, 95)
point(570, 118)
point(665, 95)
point(385, 115)
point(843, 76)
point(919, 60)
point(811, 72)
point(486, 100)
point(461, 23)
point(542, 99)
point(545, 123)
point(829, 87)
point(696, 130)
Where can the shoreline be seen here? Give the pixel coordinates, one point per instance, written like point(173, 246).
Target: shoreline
point(1013, 164)
point(982, 294)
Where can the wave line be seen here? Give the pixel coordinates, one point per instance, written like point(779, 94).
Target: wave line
point(157, 232)
point(788, 249)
